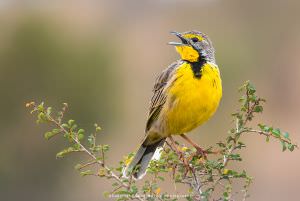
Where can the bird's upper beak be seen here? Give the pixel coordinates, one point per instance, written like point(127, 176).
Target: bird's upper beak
point(183, 40)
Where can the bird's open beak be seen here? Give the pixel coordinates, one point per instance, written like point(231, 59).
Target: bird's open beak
point(183, 40)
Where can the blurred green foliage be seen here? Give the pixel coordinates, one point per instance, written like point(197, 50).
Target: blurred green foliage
point(40, 62)
point(37, 60)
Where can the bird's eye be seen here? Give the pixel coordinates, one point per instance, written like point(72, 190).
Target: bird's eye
point(195, 39)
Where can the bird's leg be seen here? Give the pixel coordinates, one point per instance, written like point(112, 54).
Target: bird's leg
point(180, 155)
point(174, 146)
point(197, 147)
point(177, 150)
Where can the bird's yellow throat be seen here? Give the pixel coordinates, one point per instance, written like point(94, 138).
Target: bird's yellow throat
point(187, 53)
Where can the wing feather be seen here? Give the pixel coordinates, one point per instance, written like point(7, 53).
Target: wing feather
point(159, 93)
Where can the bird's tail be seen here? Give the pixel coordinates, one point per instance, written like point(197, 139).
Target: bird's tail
point(142, 159)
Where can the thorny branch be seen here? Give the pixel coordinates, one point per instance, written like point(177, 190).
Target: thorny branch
point(203, 176)
point(58, 123)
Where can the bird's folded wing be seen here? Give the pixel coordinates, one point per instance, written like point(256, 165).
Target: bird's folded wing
point(159, 93)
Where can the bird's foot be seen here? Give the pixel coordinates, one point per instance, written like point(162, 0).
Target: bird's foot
point(203, 153)
point(180, 153)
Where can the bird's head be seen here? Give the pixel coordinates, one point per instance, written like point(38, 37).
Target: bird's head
point(194, 46)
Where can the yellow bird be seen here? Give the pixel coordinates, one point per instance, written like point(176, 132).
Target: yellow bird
point(186, 95)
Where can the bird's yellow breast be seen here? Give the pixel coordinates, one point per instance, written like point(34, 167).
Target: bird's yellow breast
point(192, 101)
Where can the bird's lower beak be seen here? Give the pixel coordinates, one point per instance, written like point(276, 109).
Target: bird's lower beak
point(175, 43)
point(183, 40)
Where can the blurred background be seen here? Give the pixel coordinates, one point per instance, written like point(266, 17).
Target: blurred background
point(102, 58)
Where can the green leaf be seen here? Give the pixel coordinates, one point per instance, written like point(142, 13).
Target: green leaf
point(48, 135)
point(98, 128)
point(40, 107)
point(73, 127)
point(76, 147)
point(251, 89)
point(115, 184)
point(62, 153)
point(267, 129)
point(133, 189)
point(49, 110)
point(80, 136)
point(240, 145)
point(105, 147)
point(189, 198)
point(86, 172)
point(71, 122)
point(291, 147)
point(221, 144)
point(276, 132)
point(261, 126)
point(286, 135)
point(123, 192)
point(236, 157)
point(65, 126)
point(51, 134)
point(230, 138)
point(106, 194)
point(91, 139)
point(283, 145)
point(78, 166)
point(42, 117)
point(258, 108)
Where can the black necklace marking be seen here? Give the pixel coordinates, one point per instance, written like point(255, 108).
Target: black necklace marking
point(197, 66)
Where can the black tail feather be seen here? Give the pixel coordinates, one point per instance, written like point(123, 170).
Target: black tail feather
point(142, 159)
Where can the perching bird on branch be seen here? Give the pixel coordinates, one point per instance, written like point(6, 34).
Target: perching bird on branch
point(186, 95)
